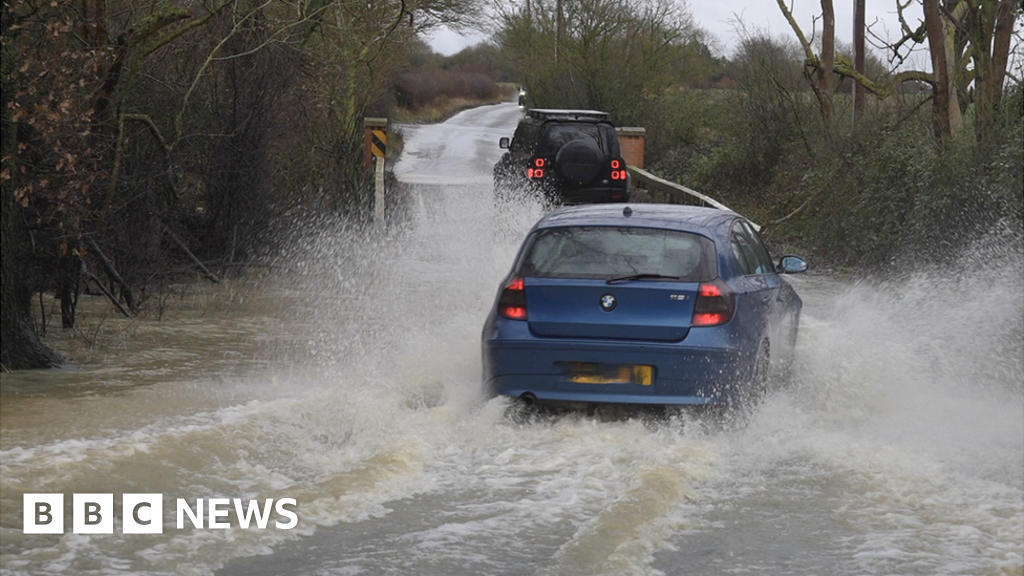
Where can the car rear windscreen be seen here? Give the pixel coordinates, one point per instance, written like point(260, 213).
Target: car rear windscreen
point(611, 252)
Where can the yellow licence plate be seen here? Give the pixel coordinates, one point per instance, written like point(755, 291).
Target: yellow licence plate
point(589, 373)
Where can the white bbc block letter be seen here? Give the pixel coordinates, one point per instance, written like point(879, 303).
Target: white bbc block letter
point(92, 514)
point(280, 508)
point(43, 514)
point(216, 513)
point(183, 509)
point(143, 513)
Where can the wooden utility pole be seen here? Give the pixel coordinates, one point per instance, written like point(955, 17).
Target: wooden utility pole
point(858, 58)
point(558, 29)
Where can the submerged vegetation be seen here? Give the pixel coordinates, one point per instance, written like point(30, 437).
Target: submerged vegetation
point(142, 141)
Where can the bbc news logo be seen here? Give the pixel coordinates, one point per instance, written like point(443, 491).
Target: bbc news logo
point(144, 513)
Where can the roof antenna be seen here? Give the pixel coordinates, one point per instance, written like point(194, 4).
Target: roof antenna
point(627, 211)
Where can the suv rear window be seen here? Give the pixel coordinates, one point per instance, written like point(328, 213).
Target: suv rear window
point(556, 135)
point(609, 252)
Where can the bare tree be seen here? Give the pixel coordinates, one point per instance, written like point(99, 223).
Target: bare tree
point(615, 55)
point(124, 126)
point(969, 42)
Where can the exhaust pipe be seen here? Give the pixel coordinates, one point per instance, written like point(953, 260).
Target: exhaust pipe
point(528, 398)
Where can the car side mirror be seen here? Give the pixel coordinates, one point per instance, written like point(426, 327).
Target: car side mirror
point(791, 265)
point(504, 143)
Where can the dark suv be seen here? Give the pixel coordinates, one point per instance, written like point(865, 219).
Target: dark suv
point(568, 156)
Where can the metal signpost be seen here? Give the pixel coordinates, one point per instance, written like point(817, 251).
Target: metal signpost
point(376, 139)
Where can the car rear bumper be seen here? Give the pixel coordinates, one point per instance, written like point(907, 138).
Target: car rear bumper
point(563, 193)
point(593, 195)
point(683, 374)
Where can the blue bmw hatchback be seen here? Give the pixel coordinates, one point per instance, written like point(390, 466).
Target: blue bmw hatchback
point(642, 304)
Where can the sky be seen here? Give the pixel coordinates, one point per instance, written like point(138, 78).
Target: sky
point(721, 18)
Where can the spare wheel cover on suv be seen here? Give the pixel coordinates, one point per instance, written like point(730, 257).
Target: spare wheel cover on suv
point(578, 161)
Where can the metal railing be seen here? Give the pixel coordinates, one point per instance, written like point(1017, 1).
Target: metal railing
point(677, 192)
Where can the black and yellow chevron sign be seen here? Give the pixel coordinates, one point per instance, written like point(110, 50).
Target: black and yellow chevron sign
point(378, 142)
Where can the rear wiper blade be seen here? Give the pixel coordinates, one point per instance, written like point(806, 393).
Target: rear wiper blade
point(640, 277)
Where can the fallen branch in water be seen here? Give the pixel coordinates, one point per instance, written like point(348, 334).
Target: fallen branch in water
point(108, 267)
point(99, 284)
point(206, 271)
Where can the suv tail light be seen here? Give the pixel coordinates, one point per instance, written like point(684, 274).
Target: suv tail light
point(715, 304)
point(512, 302)
point(536, 169)
point(618, 169)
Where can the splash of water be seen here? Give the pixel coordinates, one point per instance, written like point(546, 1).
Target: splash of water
point(898, 447)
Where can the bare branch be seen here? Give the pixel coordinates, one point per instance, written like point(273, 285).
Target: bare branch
point(161, 42)
point(209, 59)
point(812, 60)
point(881, 89)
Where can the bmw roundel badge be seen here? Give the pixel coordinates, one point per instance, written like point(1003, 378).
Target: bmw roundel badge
point(608, 302)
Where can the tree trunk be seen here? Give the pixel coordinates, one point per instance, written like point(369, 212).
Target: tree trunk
point(828, 58)
point(991, 32)
point(858, 59)
point(1001, 43)
point(20, 346)
point(944, 100)
point(70, 275)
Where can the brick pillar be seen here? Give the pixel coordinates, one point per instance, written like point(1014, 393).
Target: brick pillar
point(631, 144)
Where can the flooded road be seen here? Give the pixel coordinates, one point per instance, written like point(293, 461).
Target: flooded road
point(351, 384)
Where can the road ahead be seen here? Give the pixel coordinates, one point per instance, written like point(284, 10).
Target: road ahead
point(461, 151)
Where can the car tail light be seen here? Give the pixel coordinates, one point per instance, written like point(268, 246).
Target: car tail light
point(536, 169)
point(512, 302)
point(715, 304)
point(618, 169)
